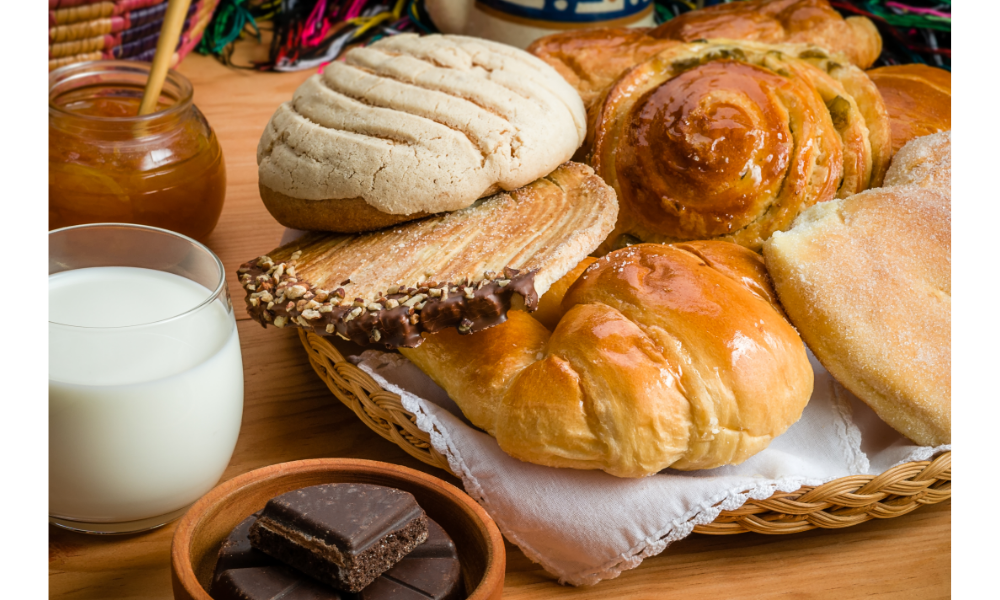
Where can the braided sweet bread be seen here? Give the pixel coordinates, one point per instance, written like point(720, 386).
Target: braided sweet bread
point(659, 356)
point(731, 140)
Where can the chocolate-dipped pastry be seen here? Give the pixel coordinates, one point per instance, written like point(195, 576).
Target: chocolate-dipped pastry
point(461, 269)
point(431, 570)
point(343, 534)
point(731, 140)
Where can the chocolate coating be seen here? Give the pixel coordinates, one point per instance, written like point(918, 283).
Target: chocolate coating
point(431, 570)
point(344, 534)
point(400, 327)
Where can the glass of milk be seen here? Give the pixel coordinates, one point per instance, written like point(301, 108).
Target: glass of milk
point(145, 376)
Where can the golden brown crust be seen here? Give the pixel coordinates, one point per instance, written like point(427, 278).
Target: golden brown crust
point(918, 100)
point(867, 282)
point(348, 215)
point(462, 269)
point(592, 60)
point(662, 358)
point(731, 140)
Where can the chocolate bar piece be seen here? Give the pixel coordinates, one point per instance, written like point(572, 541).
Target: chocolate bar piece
point(430, 571)
point(343, 534)
point(272, 583)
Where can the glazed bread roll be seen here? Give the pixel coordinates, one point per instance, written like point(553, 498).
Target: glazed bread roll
point(661, 356)
point(923, 161)
point(867, 282)
point(591, 60)
point(731, 140)
point(918, 98)
point(414, 125)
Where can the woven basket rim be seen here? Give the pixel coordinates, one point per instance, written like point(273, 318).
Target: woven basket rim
point(842, 502)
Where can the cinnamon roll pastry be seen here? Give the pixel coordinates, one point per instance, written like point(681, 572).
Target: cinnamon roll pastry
point(591, 60)
point(731, 140)
point(918, 98)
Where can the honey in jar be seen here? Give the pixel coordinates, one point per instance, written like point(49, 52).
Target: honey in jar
point(109, 165)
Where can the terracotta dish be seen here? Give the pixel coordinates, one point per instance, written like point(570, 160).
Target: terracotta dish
point(201, 531)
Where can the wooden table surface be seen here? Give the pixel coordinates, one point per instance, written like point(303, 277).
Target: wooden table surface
point(289, 415)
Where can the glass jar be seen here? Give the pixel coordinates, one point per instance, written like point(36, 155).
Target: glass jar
point(109, 165)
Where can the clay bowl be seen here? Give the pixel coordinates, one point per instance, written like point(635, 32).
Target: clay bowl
point(201, 531)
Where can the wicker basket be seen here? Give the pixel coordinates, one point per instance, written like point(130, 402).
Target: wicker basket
point(839, 503)
point(82, 30)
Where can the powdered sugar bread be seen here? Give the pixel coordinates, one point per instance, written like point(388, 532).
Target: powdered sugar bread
point(867, 282)
point(923, 161)
point(414, 125)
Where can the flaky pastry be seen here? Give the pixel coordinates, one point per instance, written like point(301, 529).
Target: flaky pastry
point(459, 270)
point(660, 356)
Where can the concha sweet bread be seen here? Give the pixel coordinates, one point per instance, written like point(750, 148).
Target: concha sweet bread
point(414, 125)
point(867, 282)
point(731, 140)
point(660, 356)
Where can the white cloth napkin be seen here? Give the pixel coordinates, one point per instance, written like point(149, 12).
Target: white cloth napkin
point(585, 526)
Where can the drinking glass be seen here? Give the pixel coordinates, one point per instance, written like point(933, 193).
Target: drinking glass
point(145, 376)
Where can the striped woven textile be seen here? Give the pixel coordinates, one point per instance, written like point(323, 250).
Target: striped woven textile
point(82, 30)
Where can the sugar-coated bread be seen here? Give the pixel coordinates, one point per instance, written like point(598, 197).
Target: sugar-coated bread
point(414, 125)
point(867, 282)
point(923, 161)
point(918, 98)
point(660, 356)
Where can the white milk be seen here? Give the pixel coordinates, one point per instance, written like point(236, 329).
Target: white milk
point(143, 412)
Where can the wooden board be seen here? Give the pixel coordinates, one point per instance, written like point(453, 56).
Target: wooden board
point(289, 415)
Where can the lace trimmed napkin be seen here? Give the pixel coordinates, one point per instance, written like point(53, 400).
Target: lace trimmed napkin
point(585, 526)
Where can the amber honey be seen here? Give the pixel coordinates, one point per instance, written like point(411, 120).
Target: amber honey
point(109, 165)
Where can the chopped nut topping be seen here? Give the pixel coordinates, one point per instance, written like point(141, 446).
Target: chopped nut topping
point(243, 269)
point(468, 292)
point(325, 308)
point(312, 304)
point(309, 296)
point(503, 282)
point(330, 328)
point(414, 300)
point(465, 326)
point(300, 305)
point(322, 295)
point(280, 321)
point(265, 262)
point(434, 293)
point(343, 337)
point(376, 336)
point(270, 305)
point(251, 287)
point(290, 306)
point(302, 321)
point(346, 281)
point(291, 270)
point(391, 303)
point(340, 293)
point(393, 289)
point(310, 314)
point(414, 319)
point(254, 301)
point(359, 302)
point(296, 254)
point(295, 291)
point(278, 271)
point(266, 296)
point(374, 306)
